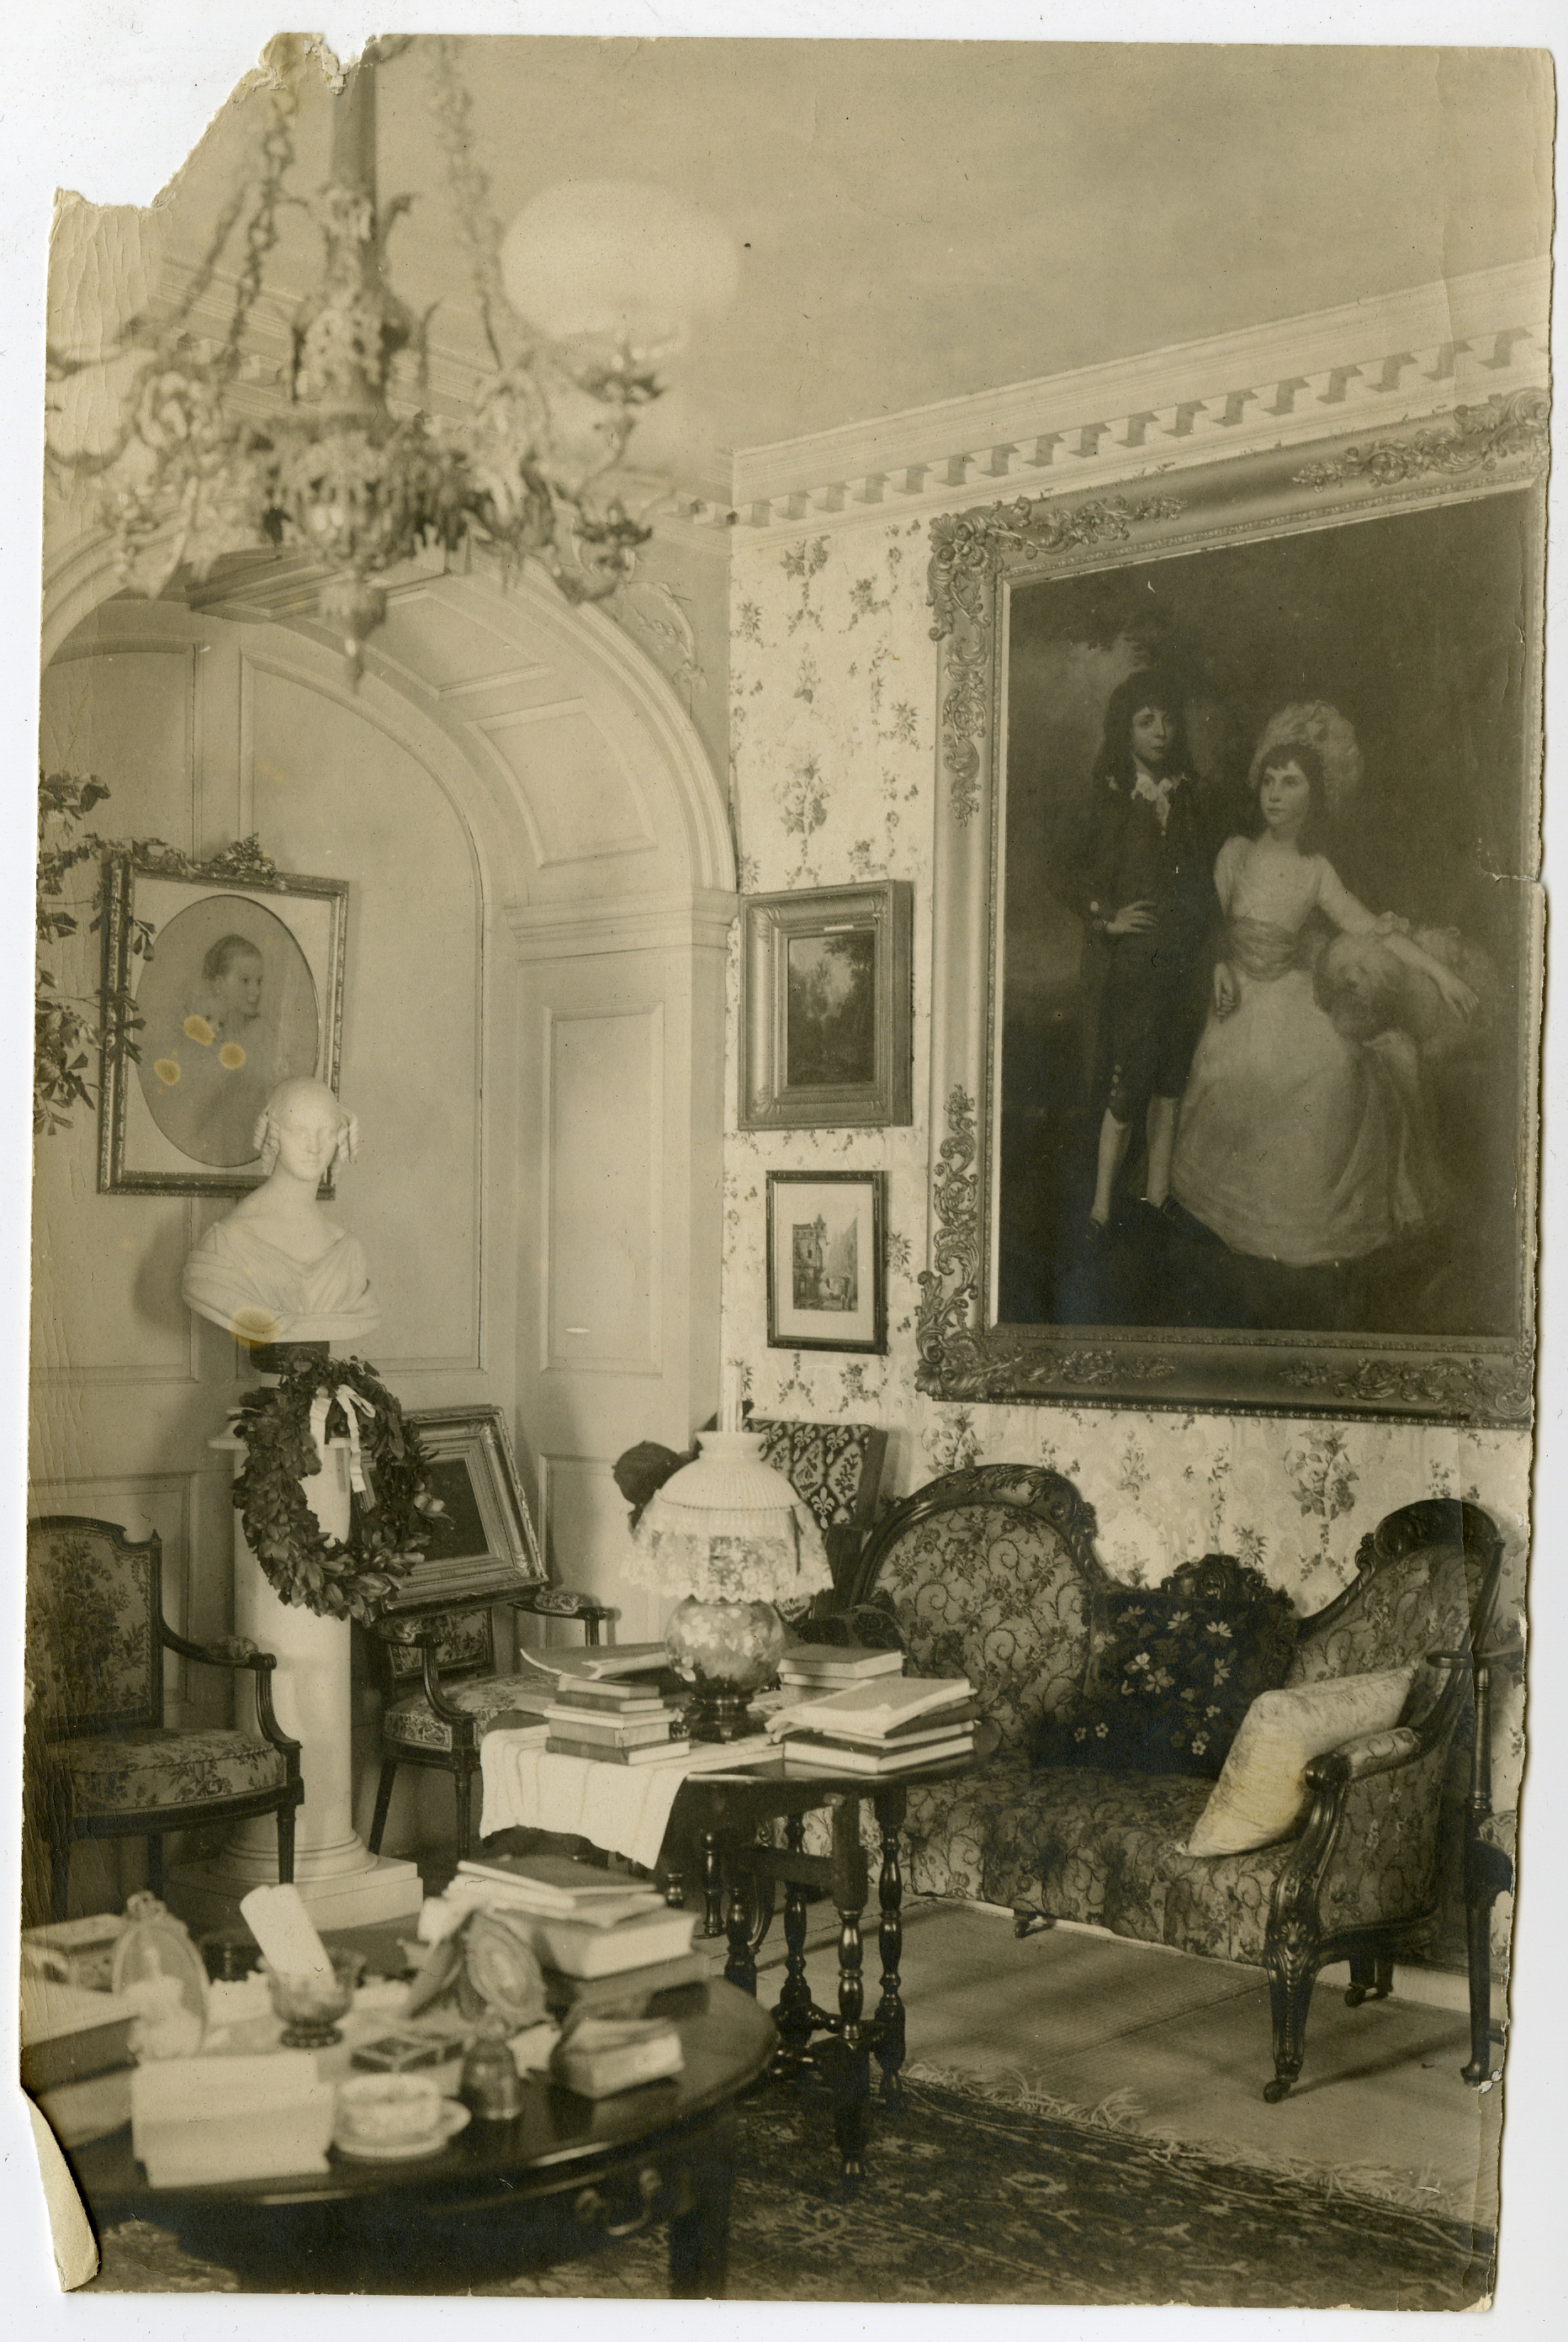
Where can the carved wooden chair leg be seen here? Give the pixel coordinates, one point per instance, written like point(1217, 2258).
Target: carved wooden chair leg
point(286, 1846)
point(1290, 1997)
point(383, 1802)
point(1369, 1978)
point(464, 1777)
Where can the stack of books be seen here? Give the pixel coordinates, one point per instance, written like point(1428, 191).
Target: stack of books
point(621, 1703)
point(833, 1666)
point(604, 1943)
point(889, 1724)
point(622, 1720)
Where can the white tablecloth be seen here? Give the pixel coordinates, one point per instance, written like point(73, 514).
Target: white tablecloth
point(624, 1808)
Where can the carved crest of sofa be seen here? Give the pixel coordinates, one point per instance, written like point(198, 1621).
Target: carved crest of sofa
point(993, 1572)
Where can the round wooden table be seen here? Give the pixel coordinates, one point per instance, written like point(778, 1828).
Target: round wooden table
point(499, 2198)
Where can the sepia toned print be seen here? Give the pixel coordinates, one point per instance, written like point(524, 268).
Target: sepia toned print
point(924, 661)
point(825, 1265)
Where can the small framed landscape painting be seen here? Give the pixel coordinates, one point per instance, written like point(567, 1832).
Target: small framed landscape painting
point(826, 1281)
point(826, 1009)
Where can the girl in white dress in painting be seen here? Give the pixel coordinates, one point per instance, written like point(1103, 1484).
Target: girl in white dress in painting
point(1298, 1142)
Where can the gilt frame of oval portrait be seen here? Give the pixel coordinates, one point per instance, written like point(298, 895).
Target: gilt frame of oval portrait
point(220, 981)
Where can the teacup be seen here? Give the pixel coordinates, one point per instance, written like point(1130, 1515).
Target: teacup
point(387, 2109)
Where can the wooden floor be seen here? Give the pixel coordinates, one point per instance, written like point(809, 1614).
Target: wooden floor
point(1179, 2046)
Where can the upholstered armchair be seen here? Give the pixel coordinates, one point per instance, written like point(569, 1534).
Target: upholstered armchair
point(992, 1571)
point(444, 1691)
point(101, 1761)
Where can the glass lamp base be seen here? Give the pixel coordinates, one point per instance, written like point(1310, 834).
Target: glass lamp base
point(727, 1650)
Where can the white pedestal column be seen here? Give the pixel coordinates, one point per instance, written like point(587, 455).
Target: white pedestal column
point(344, 1884)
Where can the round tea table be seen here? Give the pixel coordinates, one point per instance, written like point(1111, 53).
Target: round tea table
point(498, 2198)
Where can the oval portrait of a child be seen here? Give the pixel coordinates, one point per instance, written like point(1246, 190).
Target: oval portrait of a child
point(230, 1009)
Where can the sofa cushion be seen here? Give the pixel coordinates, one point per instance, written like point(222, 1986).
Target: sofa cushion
point(114, 1773)
point(1175, 1670)
point(1110, 1851)
point(1261, 1795)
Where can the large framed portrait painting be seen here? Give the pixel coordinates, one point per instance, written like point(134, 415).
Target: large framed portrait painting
point(1234, 1057)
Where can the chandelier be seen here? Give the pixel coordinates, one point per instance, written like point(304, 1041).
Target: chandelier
point(590, 285)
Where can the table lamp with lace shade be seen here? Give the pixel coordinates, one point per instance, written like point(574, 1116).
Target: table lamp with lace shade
point(729, 1534)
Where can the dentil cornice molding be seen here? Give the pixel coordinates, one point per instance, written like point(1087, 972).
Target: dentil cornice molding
point(1398, 358)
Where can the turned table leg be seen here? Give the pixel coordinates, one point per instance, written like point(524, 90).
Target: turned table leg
point(851, 2045)
point(891, 1805)
point(793, 2013)
point(699, 2225)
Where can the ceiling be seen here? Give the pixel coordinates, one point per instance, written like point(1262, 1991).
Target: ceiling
point(920, 220)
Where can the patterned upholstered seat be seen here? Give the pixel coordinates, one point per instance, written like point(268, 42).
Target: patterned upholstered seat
point(100, 1761)
point(993, 1572)
point(410, 1721)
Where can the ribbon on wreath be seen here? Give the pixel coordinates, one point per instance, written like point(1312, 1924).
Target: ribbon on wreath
point(354, 1408)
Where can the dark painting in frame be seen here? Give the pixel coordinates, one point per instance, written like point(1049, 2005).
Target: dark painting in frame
point(826, 1007)
point(826, 1279)
point(1396, 589)
point(240, 988)
point(486, 1532)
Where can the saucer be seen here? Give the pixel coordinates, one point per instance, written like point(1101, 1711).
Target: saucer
point(453, 2118)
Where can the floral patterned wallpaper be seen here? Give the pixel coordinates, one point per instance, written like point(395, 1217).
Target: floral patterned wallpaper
point(832, 692)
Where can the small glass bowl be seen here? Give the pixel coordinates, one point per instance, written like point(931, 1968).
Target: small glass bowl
point(310, 2006)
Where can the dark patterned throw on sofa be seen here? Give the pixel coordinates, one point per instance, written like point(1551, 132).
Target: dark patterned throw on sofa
point(1174, 1671)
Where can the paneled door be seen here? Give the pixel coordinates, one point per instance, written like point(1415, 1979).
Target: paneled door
point(621, 1019)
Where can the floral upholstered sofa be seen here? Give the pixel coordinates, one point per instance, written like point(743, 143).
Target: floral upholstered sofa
point(992, 1571)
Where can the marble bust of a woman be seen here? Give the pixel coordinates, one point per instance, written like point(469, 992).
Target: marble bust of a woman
point(279, 1269)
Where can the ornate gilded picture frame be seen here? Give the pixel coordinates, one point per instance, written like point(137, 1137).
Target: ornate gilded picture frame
point(486, 1529)
point(232, 976)
point(826, 1009)
point(1280, 1158)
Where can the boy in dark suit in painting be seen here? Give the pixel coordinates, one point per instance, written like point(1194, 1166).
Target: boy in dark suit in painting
point(1149, 893)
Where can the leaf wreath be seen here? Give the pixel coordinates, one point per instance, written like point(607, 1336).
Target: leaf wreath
point(391, 1522)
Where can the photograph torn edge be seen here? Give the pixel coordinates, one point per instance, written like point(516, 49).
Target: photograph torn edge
point(74, 2246)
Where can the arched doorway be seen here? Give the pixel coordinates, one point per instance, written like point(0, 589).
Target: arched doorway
point(540, 891)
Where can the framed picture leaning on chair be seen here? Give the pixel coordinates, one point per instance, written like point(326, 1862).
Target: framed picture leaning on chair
point(437, 1638)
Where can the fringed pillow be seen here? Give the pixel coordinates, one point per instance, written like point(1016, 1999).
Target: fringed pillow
point(1175, 1671)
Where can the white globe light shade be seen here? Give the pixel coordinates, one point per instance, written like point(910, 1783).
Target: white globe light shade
point(616, 258)
point(104, 266)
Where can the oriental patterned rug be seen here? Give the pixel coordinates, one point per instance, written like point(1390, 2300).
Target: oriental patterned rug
point(972, 2198)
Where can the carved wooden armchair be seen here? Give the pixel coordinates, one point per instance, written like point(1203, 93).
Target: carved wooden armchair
point(101, 1762)
point(445, 1694)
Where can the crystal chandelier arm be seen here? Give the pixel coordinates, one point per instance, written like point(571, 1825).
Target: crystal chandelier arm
point(478, 230)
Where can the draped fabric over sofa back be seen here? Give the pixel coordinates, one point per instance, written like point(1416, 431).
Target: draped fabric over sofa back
point(997, 1582)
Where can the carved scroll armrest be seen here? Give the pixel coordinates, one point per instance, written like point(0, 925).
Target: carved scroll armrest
point(236, 1651)
point(424, 1633)
point(458, 1718)
point(231, 1651)
point(1374, 1752)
